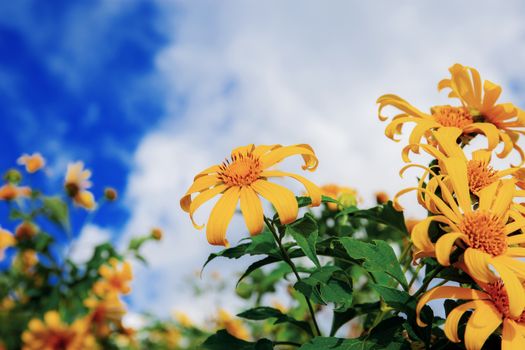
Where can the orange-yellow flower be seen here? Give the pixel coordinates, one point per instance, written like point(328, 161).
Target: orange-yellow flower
point(104, 313)
point(491, 309)
point(76, 184)
point(9, 192)
point(33, 162)
point(233, 326)
point(346, 194)
point(6, 240)
point(245, 177)
point(478, 115)
point(53, 333)
point(465, 84)
point(485, 232)
point(114, 280)
point(183, 319)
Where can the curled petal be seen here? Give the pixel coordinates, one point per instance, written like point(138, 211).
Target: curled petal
point(483, 322)
point(277, 154)
point(313, 190)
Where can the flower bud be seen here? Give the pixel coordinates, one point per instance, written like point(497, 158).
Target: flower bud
point(110, 194)
point(13, 176)
point(156, 233)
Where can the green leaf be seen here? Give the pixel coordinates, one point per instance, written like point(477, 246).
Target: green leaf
point(222, 340)
point(262, 244)
point(264, 312)
point(328, 284)
point(329, 343)
point(377, 256)
point(342, 317)
point(57, 211)
point(305, 233)
point(384, 214)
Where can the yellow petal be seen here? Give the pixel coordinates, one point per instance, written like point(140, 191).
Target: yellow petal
point(512, 338)
point(221, 216)
point(448, 292)
point(281, 198)
point(477, 263)
point(457, 171)
point(399, 103)
point(481, 324)
point(486, 196)
point(200, 184)
point(276, 155)
point(52, 319)
point(504, 198)
point(513, 287)
point(313, 190)
point(451, 323)
point(203, 197)
point(489, 130)
point(446, 138)
point(252, 210)
point(445, 244)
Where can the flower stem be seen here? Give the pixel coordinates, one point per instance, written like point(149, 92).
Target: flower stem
point(289, 261)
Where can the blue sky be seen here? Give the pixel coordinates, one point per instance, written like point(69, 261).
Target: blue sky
point(148, 93)
point(76, 82)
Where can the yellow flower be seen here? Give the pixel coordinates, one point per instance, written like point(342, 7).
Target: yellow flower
point(183, 319)
point(113, 280)
point(347, 194)
point(52, 334)
point(104, 312)
point(465, 84)
point(33, 162)
point(440, 116)
point(233, 326)
point(6, 240)
point(485, 232)
point(245, 177)
point(9, 192)
point(26, 260)
point(491, 309)
point(76, 184)
point(26, 230)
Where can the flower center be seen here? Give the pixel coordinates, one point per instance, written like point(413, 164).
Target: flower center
point(480, 175)
point(452, 116)
point(499, 297)
point(485, 232)
point(241, 170)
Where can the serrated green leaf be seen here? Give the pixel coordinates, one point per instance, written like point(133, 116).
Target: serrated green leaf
point(377, 256)
point(264, 312)
point(328, 284)
point(305, 233)
point(222, 340)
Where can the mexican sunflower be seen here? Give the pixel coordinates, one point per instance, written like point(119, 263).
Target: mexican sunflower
point(244, 177)
point(114, 280)
point(33, 162)
point(76, 184)
point(465, 84)
point(480, 173)
point(487, 233)
point(347, 196)
point(491, 309)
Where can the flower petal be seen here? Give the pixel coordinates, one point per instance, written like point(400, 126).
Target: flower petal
point(477, 263)
point(281, 198)
point(277, 154)
point(200, 199)
point(221, 216)
point(482, 323)
point(513, 287)
point(451, 323)
point(445, 244)
point(512, 338)
point(313, 190)
point(252, 210)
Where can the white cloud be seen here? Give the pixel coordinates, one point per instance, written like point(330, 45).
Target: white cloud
point(84, 245)
point(295, 72)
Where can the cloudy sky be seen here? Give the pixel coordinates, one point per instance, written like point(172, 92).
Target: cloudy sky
point(148, 93)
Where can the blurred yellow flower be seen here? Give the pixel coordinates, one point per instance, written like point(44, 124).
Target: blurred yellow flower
point(53, 334)
point(491, 309)
point(33, 162)
point(245, 177)
point(183, 319)
point(76, 184)
point(113, 280)
point(233, 326)
point(344, 194)
point(10, 192)
point(6, 240)
point(104, 312)
point(465, 84)
point(26, 230)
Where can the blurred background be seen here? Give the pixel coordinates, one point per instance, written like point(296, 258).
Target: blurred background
point(148, 93)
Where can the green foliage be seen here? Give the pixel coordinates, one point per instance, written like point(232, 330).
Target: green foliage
point(222, 340)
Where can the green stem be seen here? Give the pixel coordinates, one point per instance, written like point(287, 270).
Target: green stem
point(424, 286)
point(414, 276)
point(289, 261)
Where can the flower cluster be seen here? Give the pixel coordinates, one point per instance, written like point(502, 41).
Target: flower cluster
point(475, 223)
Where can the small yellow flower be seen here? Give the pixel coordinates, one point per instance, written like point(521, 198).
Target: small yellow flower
point(183, 319)
point(491, 309)
point(233, 326)
point(245, 177)
point(104, 313)
point(114, 280)
point(344, 194)
point(6, 240)
point(33, 162)
point(26, 260)
point(76, 184)
point(9, 192)
point(53, 333)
